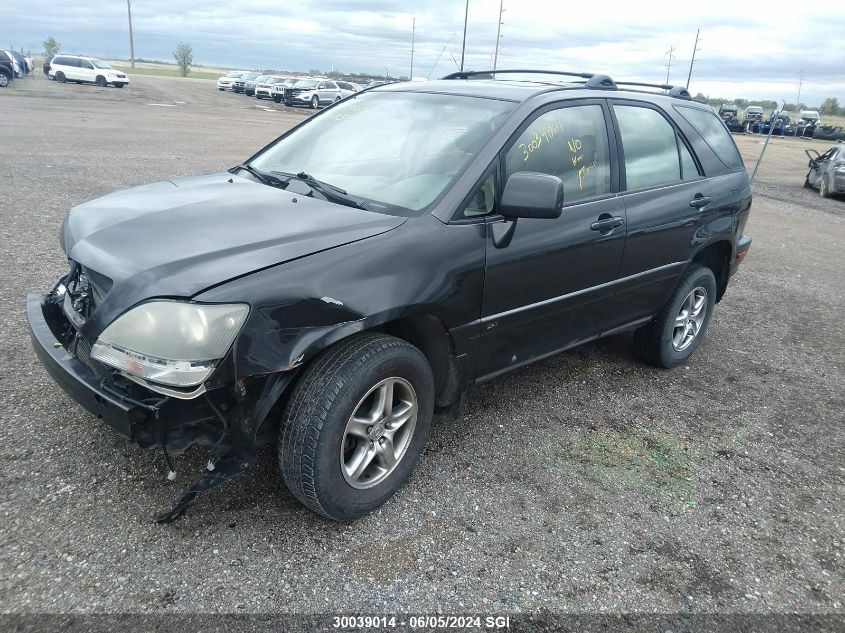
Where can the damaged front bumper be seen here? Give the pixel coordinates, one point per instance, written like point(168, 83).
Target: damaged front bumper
point(225, 420)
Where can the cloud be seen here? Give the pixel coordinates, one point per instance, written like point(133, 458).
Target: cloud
point(744, 50)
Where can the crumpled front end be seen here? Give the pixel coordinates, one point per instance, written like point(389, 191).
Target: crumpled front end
point(224, 415)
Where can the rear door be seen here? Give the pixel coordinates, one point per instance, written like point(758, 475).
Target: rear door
point(667, 201)
point(87, 72)
point(551, 286)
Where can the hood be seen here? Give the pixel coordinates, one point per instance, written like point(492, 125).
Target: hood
point(178, 238)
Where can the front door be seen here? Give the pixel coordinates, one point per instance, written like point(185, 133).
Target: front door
point(551, 286)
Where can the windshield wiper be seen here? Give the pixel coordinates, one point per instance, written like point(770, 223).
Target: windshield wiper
point(330, 192)
point(263, 176)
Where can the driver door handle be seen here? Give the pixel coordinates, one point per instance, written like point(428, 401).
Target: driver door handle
point(607, 223)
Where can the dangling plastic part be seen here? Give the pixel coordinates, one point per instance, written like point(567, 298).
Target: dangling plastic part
point(171, 475)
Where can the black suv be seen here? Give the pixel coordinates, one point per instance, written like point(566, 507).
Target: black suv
point(358, 274)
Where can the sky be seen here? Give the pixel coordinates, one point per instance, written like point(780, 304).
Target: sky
point(752, 50)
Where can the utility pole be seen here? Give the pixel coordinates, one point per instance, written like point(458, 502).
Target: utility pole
point(692, 61)
point(670, 52)
point(131, 39)
point(498, 33)
point(413, 34)
point(464, 45)
point(798, 100)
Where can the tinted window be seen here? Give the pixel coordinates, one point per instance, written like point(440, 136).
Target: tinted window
point(715, 134)
point(344, 85)
point(689, 171)
point(650, 147)
point(84, 63)
point(570, 143)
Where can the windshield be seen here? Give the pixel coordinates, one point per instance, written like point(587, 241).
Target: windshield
point(391, 149)
point(234, 73)
point(97, 63)
point(306, 83)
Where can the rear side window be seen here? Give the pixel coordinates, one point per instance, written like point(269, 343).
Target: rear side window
point(570, 143)
point(715, 134)
point(650, 146)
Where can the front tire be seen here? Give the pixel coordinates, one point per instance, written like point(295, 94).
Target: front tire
point(356, 425)
point(277, 99)
point(315, 102)
point(677, 331)
point(101, 81)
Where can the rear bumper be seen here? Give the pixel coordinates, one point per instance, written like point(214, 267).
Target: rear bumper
point(743, 245)
point(79, 382)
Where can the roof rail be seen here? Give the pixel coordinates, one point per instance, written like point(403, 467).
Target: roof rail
point(466, 74)
point(679, 92)
point(595, 82)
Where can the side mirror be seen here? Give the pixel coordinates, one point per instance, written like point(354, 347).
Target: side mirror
point(531, 195)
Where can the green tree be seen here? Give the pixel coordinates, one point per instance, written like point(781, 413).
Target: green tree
point(831, 106)
point(184, 55)
point(51, 46)
point(315, 71)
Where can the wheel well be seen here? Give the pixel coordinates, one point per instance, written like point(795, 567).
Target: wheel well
point(428, 334)
point(717, 257)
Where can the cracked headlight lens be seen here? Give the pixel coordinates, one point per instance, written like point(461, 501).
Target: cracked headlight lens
point(171, 342)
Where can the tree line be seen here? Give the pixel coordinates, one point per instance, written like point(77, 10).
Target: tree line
point(828, 106)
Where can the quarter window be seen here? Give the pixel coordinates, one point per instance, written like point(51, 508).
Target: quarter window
point(715, 134)
point(650, 146)
point(570, 143)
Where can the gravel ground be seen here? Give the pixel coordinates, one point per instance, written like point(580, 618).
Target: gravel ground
point(587, 482)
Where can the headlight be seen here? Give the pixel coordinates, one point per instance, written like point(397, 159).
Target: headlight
point(171, 342)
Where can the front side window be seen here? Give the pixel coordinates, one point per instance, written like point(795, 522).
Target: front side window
point(100, 64)
point(715, 134)
point(570, 143)
point(650, 146)
point(392, 149)
point(86, 64)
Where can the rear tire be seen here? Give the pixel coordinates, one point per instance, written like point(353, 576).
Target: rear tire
point(340, 424)
point(679, 328)
point(60, 77)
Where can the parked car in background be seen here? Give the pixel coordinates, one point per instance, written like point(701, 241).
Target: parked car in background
point(347, 88)
point(375, 82)
point(264, 89)
point(252, 84)
point(65, 68)
point(278, 92)
point(240, 82)
point(21, 68)
point(827, 171)
point(313, 93)
point(225, 82)
point(7, 69)
point(809, 116)
point(333, 293)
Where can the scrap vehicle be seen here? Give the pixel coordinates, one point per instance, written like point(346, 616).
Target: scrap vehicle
point(7, 69)
point(728, 113)
point(827, 171)
point(330, 294)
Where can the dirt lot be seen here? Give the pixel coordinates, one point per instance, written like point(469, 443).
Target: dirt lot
point(588, 482)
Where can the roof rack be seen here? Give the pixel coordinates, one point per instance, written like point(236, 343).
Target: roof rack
point(592, 81)
point(466, 74)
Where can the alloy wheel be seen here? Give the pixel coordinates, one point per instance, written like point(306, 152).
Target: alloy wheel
point(690, 318)
point(378, 433)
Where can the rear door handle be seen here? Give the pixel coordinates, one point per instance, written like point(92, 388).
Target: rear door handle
point(607, 224)
point(699, 201)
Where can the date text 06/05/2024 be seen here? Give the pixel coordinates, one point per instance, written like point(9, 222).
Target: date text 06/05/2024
point(422, 621)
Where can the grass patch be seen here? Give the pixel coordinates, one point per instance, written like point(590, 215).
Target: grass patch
point(166, 72)
point(642, 459)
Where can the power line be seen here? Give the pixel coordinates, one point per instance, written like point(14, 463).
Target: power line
point(464, 45)
point(695, 49)
point(498, 33)
point(131, 39)
point(670, 52)
point(413, 35)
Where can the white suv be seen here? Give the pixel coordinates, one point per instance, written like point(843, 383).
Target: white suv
point(85, 70)
point(225, 82)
